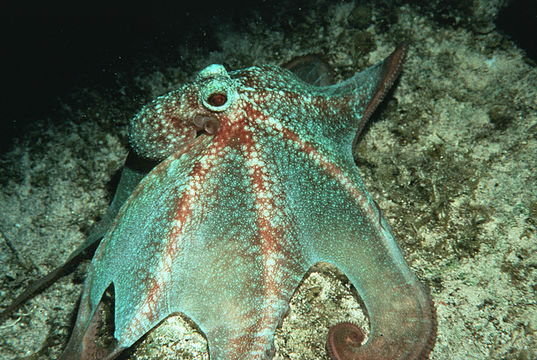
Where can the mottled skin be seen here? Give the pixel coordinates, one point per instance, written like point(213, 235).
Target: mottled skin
point(134, 170)
point(256, 184)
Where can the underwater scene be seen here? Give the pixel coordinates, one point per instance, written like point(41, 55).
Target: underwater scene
point(278, 180)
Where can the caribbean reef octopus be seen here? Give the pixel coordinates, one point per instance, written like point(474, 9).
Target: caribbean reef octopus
point(255, 183)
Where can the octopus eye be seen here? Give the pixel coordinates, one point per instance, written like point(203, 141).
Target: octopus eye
point(217, 99)
point(217, 94)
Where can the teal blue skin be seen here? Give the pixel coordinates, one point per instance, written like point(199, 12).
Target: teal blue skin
point(256, 183)
point(134, 170)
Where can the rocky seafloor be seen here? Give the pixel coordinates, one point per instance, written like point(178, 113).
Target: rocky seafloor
point(450, 157)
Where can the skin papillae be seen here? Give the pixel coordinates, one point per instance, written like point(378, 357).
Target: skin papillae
point(255, 184)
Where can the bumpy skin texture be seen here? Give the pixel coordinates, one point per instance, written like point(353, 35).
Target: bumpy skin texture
point(257, 183)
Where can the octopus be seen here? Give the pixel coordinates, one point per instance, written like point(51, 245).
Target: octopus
point(252, 182)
